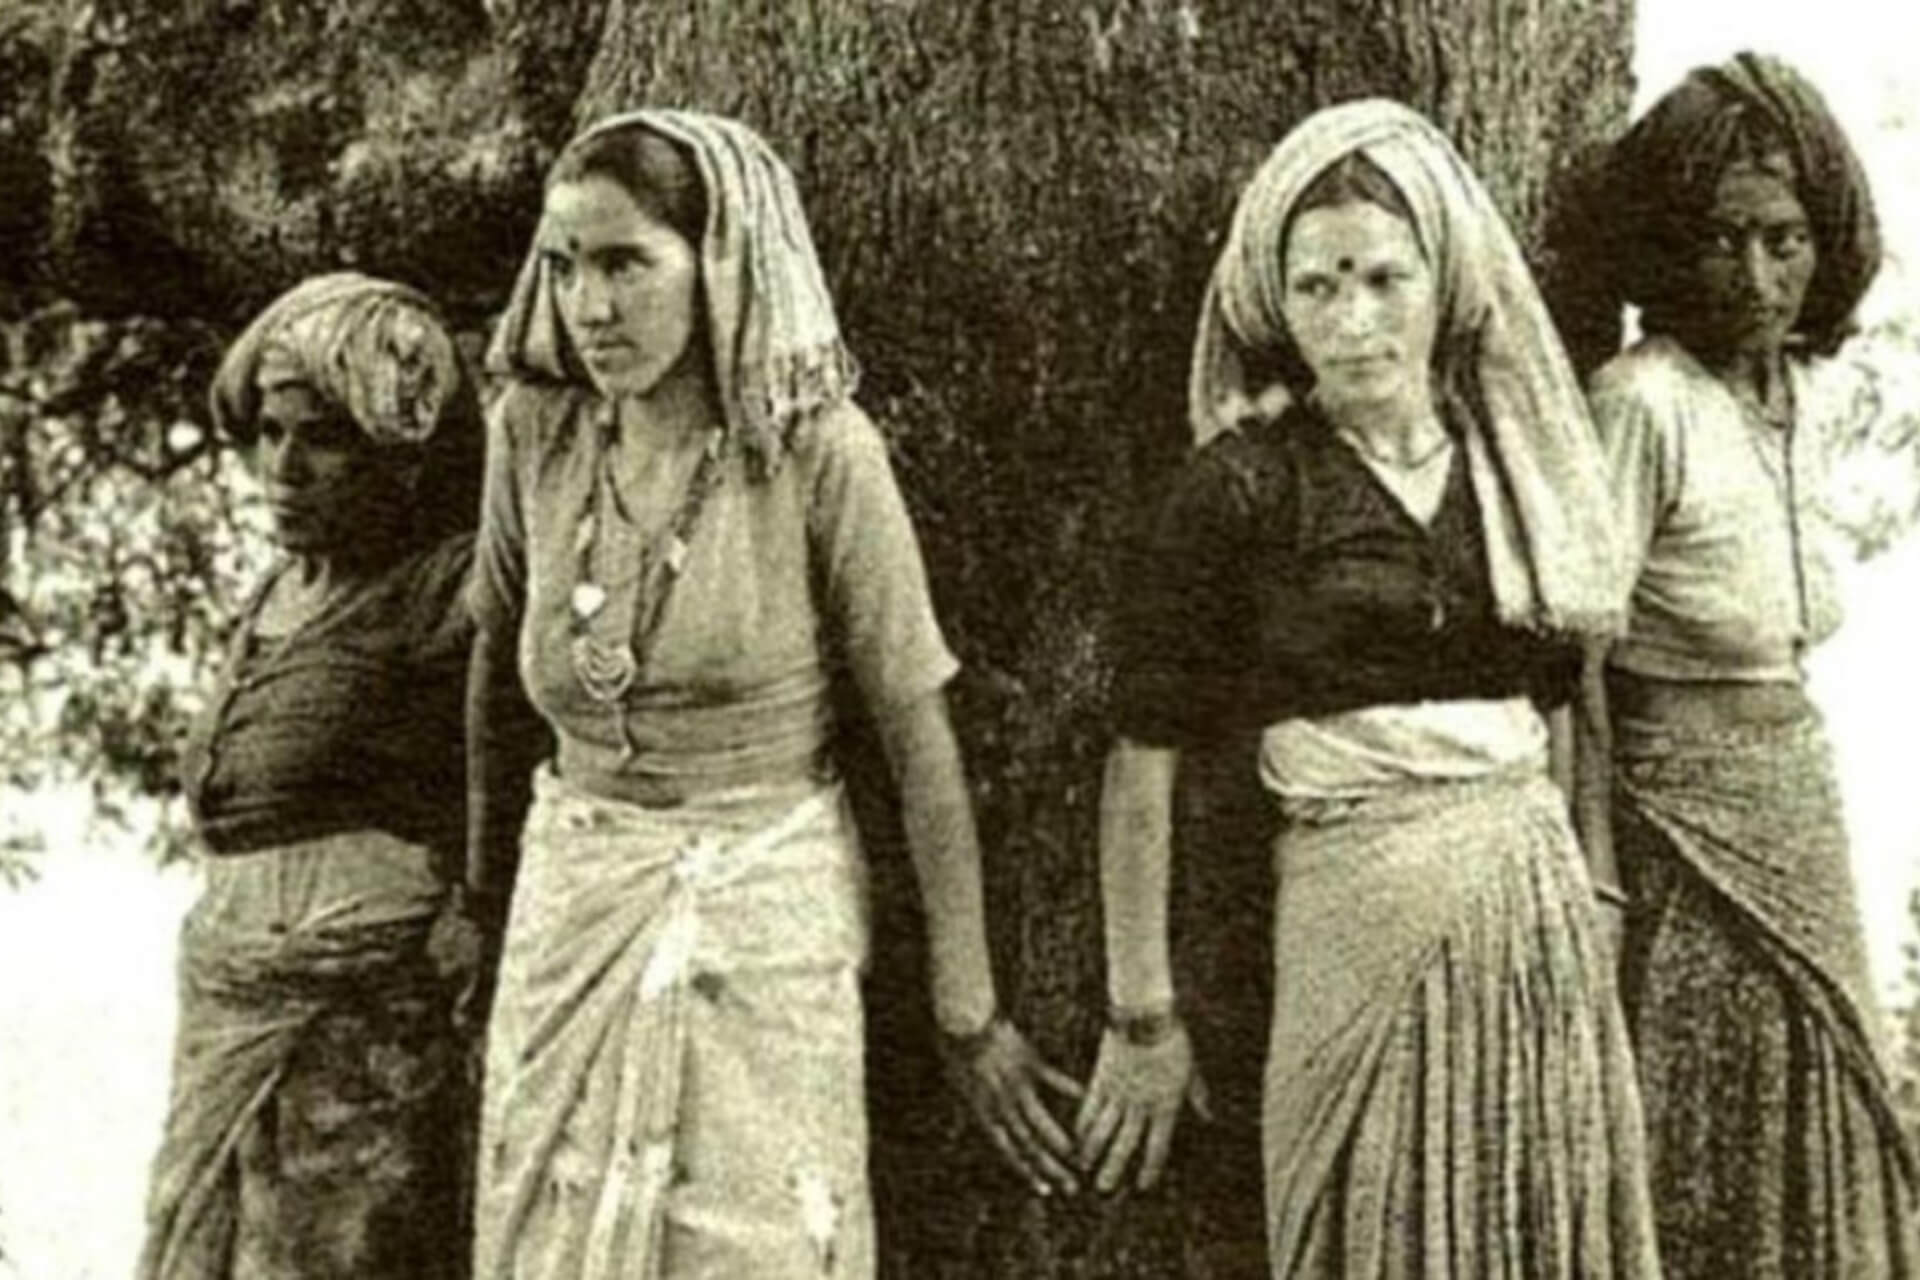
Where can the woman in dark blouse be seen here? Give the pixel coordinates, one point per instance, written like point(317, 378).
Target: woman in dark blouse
point(318, 1105)
point(1380, 562)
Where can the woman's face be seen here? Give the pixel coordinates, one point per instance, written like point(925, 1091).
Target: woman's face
point(324, 486)
point(1754, 259)
point(1360, 305)
point(627, 284)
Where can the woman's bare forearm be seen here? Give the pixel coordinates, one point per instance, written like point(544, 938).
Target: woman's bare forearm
point(1593, 768)
point(938, 818)
point(1136, 855)
point(505, 740)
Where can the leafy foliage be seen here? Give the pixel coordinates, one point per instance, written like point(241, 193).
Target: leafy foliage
point(123, 549)
point(1873, 492)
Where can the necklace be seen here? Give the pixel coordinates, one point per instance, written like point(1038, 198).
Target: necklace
point(1439, 449)
point(608, 645)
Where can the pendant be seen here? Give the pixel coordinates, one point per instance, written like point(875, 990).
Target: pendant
point(676, 554)
point(605, 671)
point(588, 599)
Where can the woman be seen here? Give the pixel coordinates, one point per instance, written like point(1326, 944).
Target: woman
point(1748, 237)
point(318, 1110)
point(691, 532)
point(1379, 560)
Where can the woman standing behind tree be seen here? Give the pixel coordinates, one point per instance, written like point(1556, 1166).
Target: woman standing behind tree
point(1381, 559)
point(690, 530)
point(319, 1114)
point(1746, 235)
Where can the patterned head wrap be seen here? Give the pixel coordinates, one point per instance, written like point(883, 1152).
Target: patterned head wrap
point(1536, 468)
point(777, 352)
point(380, 352)
point(1663, 173)
point(376, 349)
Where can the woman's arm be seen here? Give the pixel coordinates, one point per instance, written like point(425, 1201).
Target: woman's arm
point(1145, 1067)
point(938, 817)
point(505, 740)
point(1136, 844)
point(1593, 782)
point(993, 1066)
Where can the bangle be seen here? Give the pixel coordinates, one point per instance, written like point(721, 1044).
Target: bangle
point(1146, 1027)
point(968, 1044)
point(1611, 894)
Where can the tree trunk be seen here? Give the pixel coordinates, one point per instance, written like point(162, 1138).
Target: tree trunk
point(1018, 202)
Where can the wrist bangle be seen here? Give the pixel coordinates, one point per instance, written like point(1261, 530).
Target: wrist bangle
point(1611, 894)
point(1143, 1027)
point(968, 1043)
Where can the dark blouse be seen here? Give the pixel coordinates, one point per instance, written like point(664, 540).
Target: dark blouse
point(351, 723)
point(1282, 579)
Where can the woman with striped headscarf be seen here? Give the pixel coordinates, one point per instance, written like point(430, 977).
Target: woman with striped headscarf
point(1744, 231)
point(1380, 563)
point(691, 535)
point(319, 1113)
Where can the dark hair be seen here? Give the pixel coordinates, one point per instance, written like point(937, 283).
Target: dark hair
point(1351, 179)
point(1672, 207)
point(1662, 177)
point(658, 173)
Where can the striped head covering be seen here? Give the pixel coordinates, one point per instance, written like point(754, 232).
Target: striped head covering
point(777, 351)
point(1536, 469)
point(1664, 171)
point(376, 349)
point(382, 354)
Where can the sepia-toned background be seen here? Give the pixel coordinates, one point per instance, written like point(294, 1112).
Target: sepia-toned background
point(1017, 202)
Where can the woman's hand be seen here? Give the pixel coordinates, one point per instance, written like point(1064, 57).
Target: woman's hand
point(1135, 1096)
point(1001, 1075)
point(455, 946)
point(462, 946)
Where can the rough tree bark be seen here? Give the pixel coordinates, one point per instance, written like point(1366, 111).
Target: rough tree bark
point(1017, 201)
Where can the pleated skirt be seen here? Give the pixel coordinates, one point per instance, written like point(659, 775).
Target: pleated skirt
point(1774, 1143)
point(1449, 1091)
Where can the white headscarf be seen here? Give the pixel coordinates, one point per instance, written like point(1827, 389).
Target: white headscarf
point(1536, 468)
point(777, 352)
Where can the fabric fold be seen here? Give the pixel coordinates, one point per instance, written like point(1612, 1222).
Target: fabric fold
point(1449, 1089)
point(1748, 993)
point(676, 922)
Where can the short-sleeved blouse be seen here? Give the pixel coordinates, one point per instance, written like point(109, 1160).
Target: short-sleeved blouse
point(1283, 580)
point(1721, 520)
point(787, 581)
point(351, 723)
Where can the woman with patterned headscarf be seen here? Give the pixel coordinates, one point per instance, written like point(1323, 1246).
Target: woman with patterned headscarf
point(320, 1112)
point(1380, 564)
point(1745, 233)
point(691, 535)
